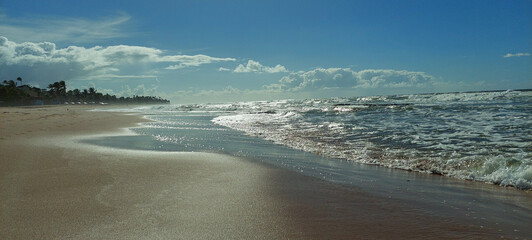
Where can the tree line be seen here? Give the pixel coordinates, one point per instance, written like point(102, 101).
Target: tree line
point(13, 93)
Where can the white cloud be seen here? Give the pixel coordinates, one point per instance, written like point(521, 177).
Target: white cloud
point(277, 69)
point(222, 69)
point(373, 78)
point(516, 55)
point(330, 78)
point(254, 66)
point(43, 60)
point(64, 29)
point(191, 61)
point(174, 67)
point(318, 83)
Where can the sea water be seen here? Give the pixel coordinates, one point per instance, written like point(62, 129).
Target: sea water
point(481, 136)
point(368, 142)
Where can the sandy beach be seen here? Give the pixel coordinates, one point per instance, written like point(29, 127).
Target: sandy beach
point(52, 187)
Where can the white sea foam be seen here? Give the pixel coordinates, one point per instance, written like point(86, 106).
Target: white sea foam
point(478, 136)
point(483, 136)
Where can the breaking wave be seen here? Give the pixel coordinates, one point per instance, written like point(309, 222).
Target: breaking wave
point(482, 136)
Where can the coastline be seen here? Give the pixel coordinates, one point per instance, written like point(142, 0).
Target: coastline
point(52, 187)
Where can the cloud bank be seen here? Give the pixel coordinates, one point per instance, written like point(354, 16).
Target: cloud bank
point(44, 60)
point(317, 83)
point(191, 61)
point(254, 66)
point(331, 78)
point(516, 55)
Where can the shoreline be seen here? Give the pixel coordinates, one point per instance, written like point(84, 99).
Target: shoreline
point(59, 189)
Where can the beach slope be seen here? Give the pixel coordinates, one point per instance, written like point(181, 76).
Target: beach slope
point(52, 187)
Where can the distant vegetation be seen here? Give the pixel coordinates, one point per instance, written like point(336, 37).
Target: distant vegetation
point(14, 93)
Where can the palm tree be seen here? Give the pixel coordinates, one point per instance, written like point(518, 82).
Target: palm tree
point(84, 94)
point(77, 94)
point(62, 88)
point(92, 93)
point(10, 91)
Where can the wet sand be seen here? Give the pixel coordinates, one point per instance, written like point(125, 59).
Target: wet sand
point(52, 187)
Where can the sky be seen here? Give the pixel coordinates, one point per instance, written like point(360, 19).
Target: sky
point(236, 50)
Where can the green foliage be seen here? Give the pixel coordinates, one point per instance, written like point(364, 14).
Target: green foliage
point(11, 94)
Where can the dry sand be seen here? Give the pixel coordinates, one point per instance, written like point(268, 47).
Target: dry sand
point(54, 188)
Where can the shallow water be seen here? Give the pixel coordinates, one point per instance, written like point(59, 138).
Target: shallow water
point(481, 136)
point(476, 136)
point(472, 203)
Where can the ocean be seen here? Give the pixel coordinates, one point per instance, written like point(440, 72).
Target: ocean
point(417, 149)
point(481, 136)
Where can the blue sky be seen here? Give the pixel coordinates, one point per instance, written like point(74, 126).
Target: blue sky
point(218, 51)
